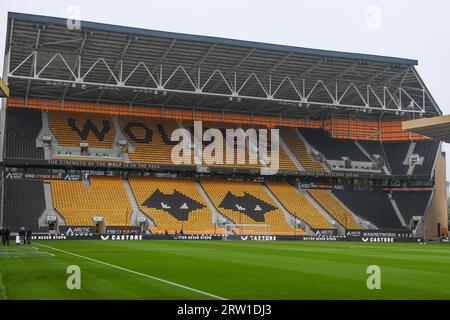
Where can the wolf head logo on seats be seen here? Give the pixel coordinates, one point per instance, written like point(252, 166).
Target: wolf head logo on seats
point(177, 204)
point(238, 147)
point(250, 205)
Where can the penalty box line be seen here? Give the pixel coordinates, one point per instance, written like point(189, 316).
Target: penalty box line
point(136, 272)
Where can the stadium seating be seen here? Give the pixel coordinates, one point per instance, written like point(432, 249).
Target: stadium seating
point(328, 202)
point(297, 146)
point(411, 203)
point(298, 205)
point(396, 154)
point(22, 128)
point(23, 204)
point(173, 205)
point(426, 149)
point(79, 203)
point(246, 202)
point(285, 162)
point(374, 148)
point(94, 159)
point(150, 139)
point(333, 149)
point(70, 129)
point(371, 205)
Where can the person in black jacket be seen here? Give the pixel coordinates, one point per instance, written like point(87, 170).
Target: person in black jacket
point(28, 236)
point(2, 234)
point(6, 235)
point(22, 233)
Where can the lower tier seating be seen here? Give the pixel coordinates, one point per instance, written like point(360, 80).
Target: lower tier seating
point(373, 206)
point(173, 205)
point(299, 205)
point(23, 204)
point(246, 202)
point(105, 196)
point(328, 202)
point(411, 203)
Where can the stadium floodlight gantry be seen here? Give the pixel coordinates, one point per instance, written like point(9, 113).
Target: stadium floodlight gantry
point(98, 62)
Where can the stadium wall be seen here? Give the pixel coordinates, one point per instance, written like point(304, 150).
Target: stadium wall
point(435, 222)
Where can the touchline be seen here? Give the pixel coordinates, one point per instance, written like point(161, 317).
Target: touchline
point(231, 149)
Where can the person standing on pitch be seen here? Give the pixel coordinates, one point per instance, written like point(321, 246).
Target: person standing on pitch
point(2, 234)
point(22, 233)
point(6, 232)
point(28, 236)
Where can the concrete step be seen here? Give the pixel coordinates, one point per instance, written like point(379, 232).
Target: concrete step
point(136, 210)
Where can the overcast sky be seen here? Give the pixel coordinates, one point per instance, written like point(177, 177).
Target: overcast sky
point(414, 29)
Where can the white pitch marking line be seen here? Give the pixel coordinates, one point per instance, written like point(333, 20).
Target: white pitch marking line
point(50, 254)
point(136, 272)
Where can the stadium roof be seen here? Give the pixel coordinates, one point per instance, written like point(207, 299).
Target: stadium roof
point(436, 128)
point(78, 60)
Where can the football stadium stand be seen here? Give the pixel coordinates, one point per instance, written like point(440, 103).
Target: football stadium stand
point(333, 149)
point(71, 137)
point(150, 139)
point(71, 129)
point(285, 162)
point(373, 206)
point(22, 128)
point(328, 202)
point(298, 205)
point(374, 148)
point(427, 150)
point(246, 202)
point(396, 154)
point(297, 146)
point(411, 203)
point(173, 205)
point(80, 201)
point(23, 204)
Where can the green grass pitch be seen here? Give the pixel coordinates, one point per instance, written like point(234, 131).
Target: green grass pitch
point(224, 269)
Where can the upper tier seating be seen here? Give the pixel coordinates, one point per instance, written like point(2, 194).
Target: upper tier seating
point(298, 148)
point(23, 204)
point(106, 197)
point(285, 162)
point(174, 205)
point(373, 206)
point(428, 150)
point(411, 203)
point(299, 205)
point(333, 149)
point(90, 158)
point(246, 202)
point(150, 139)
point(70, 129)
point(396, 154)
point(22, 128)
point(328, 202)
point(374, 148)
